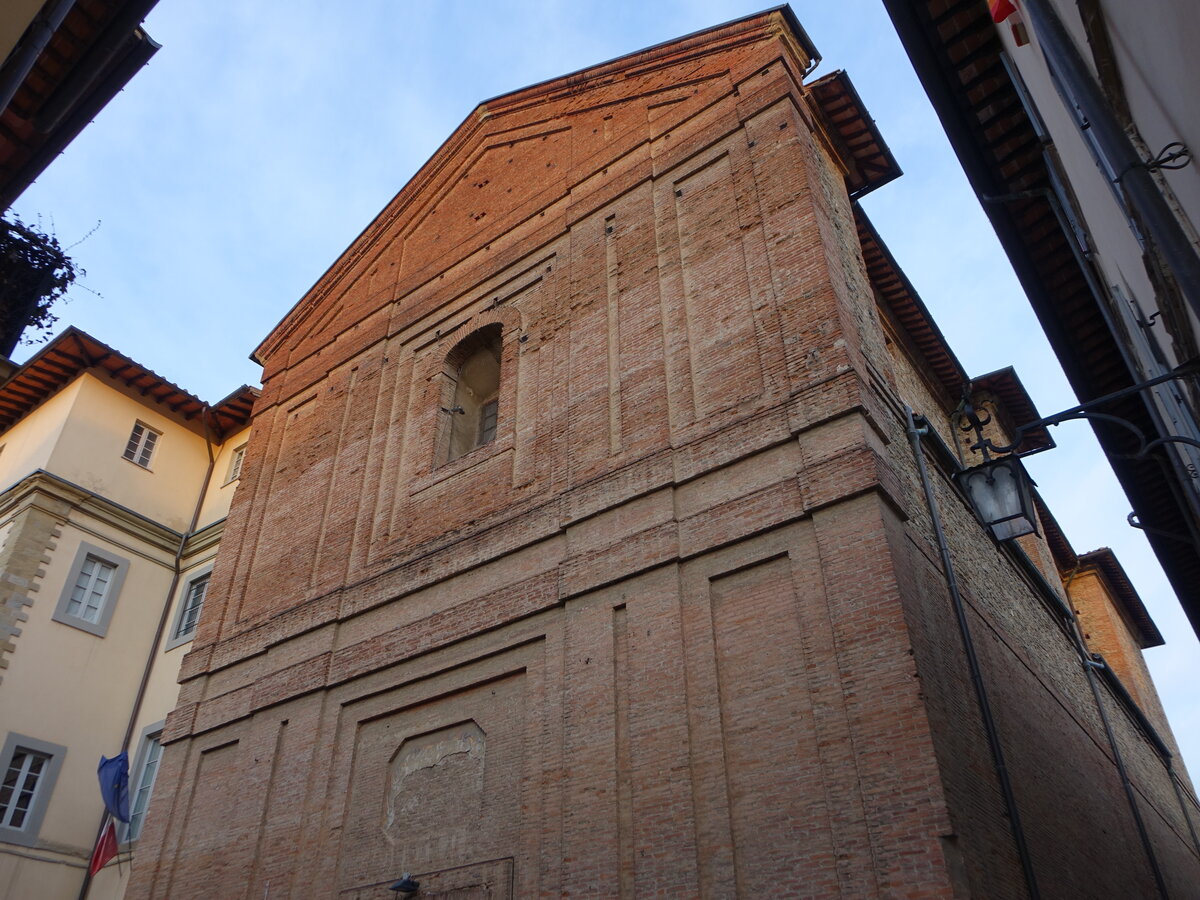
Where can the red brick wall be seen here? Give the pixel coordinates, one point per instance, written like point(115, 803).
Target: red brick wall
point(676, 631)
point(1107, 632)
point(1078, 825)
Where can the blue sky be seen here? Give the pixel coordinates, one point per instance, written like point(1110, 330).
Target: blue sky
point(263, 137)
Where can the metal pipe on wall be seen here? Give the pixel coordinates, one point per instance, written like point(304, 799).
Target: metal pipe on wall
point(964, 629)
point(1089, 665)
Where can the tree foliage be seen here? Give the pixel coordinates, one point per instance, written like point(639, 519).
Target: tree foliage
point(35, 272)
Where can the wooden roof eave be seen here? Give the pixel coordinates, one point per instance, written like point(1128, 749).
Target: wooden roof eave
point(1125, 597)
point(1056, 280)
point(908, 310)
point(74, 352)
point(1016, 408)
point(865, 154)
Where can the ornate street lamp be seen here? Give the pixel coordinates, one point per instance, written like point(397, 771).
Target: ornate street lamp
point(999, 488)
point(999, 493)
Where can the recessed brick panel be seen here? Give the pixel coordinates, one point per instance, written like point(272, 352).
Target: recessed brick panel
point(680, 629)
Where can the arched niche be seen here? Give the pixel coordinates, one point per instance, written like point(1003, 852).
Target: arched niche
point(472, 371)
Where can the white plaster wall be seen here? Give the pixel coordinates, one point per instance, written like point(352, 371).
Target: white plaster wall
point(89, 453)
point(29, 444)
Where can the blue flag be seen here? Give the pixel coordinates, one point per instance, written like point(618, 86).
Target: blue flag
point(114, 785)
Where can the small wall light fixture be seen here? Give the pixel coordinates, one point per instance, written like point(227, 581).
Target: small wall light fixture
point(406, 886)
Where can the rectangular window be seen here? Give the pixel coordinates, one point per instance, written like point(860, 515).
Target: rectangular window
point(28, 770)
point(19, 789)
point(193, 602)
point(91, 589)
point(143, 784)
point(487, 421)
point(140, 446)
point(235, 464)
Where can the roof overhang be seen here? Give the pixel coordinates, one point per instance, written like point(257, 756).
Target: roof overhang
point(1126, 598)
point(870, 163)
point(1105, 563)
point(75, 352)
point(1016, 408)
point(62, 82)
point(911, 317)
point(957, 53)
point(908, 311)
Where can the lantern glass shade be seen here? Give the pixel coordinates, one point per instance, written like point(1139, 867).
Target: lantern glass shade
point(999, 491)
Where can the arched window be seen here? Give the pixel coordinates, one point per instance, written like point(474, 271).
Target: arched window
point(473, 366)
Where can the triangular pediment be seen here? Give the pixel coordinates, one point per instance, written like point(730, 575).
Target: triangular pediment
point(518, 155)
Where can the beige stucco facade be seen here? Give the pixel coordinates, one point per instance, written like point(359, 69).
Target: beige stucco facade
point(72, 689)
point(1146, 70)
point(14, 20)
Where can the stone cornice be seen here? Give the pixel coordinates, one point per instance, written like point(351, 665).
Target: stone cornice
point(60, 497)
point(206, 538)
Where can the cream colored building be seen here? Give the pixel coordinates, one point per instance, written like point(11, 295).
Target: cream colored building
point(1076, 123)
point(116, 485)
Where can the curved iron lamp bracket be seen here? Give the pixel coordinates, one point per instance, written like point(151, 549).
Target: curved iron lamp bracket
point(970, 420)
point(1135, 521)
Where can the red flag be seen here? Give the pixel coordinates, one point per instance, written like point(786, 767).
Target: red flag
point(106, 848)
point(1001, 10)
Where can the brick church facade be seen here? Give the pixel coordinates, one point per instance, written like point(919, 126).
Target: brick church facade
point(580, 548)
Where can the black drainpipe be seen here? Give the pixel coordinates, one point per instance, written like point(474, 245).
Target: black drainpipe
point(985, 710)
point(1090, 666)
